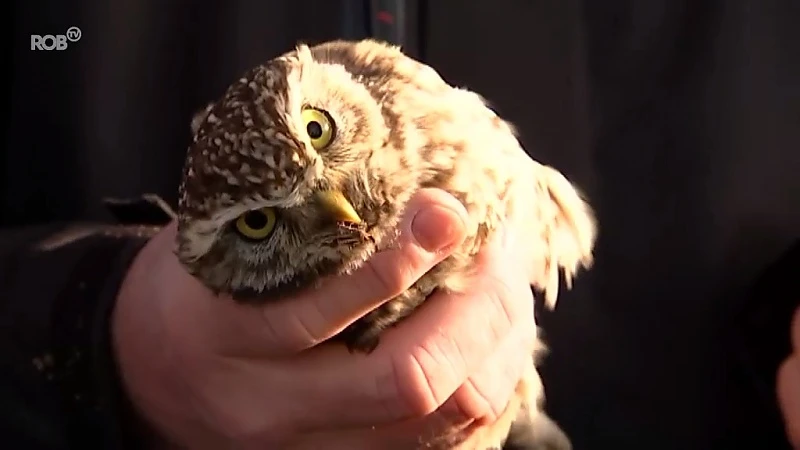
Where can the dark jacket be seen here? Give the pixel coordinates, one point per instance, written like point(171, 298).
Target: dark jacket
point(680, 119)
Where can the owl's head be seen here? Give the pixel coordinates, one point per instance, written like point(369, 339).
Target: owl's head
point(275, 192)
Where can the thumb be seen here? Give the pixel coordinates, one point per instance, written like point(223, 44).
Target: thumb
point(431, 220)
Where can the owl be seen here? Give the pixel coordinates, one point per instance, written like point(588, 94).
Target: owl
point(303, 167)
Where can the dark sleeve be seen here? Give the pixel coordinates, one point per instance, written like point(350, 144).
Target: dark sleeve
point(58, 383)
point(766, 336)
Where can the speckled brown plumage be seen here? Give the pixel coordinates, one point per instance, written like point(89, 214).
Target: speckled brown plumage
point(399, 127)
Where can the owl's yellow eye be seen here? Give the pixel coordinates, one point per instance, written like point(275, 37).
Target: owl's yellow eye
point(319, 126)
point(256, 224)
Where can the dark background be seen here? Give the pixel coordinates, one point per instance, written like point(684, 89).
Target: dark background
point(680, 119)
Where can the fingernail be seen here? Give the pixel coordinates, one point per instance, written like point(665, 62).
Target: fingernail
point(437, 228)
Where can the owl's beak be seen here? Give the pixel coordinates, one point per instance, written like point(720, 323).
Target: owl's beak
point(336, 204)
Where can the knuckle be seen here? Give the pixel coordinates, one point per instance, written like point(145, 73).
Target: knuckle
point(478, 398)
point(272, 330)
point(485, 337)
point(293, 329)
point(490, 390)
point(498, 390)
point(511, 307)
point(414, 385)
point(490, 396)
point(391, 278)
point(502, 318)
point(513, 292)
point(307, 327)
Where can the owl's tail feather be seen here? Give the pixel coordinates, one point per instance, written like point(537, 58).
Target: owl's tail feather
point(567, 232)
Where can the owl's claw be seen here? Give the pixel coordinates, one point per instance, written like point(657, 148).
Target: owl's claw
point(363, 344)
point(359, 340)
point(359, 230)
point(351, 226)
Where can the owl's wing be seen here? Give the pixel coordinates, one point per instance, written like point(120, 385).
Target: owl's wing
point(564, 231)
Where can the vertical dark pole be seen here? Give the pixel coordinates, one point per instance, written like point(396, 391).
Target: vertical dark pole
point(354, 20)
point(388, 21)
point(395, 21)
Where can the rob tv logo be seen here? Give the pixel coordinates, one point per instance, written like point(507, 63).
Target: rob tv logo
point(59, 42)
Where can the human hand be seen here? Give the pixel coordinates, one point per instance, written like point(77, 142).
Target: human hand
point(789, 386)
point(207, 372)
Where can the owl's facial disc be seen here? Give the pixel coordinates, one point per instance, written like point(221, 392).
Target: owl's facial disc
point(271, 251)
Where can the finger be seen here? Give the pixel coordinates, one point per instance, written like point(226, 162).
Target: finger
point(796, 331)
point(423, 360)
point(434, 351)
point(486, 394)
point(457, 332)
point(493, 384)
point(434, 222)
point(789, 397)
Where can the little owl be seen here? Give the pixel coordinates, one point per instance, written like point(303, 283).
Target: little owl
point(303, 167)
